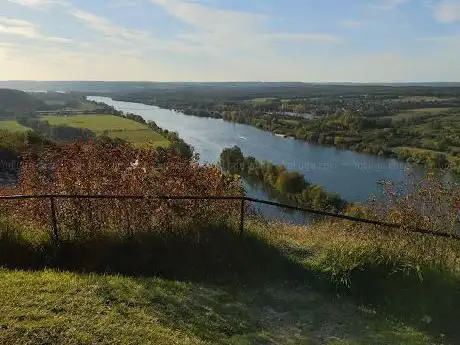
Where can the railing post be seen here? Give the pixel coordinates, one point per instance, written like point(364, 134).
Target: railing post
point(54, 220)
point(242, 216)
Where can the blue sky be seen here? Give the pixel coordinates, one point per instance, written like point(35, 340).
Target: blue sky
point(217, 40)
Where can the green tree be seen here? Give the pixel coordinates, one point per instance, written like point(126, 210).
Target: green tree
point(232, 160)
point(290, 182)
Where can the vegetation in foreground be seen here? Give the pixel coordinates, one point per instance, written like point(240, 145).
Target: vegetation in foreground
point(49, 307)
point(274, 284)
point(330, 283)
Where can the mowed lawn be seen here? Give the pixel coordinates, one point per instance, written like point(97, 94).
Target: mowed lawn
point(12, 126)
point(113, 126)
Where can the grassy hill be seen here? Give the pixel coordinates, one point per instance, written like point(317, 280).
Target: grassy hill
point(13, 102)
point(50, 307)
point(276, 292)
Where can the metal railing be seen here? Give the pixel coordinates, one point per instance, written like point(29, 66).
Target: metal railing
point(242, 199)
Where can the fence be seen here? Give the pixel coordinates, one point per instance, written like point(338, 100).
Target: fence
point(243, 200)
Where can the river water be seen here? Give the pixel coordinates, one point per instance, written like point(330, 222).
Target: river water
point(352, 175)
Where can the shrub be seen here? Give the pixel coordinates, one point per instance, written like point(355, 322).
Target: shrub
point(101, 168)
point(427, 203)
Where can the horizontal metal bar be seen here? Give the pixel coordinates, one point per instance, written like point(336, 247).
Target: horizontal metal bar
point(353, 219)
point(121, 197)
point(240, 198)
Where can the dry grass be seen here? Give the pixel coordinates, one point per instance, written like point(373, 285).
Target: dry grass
point(339, 249)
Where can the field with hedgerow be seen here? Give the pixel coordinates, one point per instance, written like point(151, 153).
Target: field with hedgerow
point(179, 271)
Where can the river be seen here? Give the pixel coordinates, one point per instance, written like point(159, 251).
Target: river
point(352, 175)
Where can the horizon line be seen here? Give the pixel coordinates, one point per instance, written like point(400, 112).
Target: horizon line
point(227, 81)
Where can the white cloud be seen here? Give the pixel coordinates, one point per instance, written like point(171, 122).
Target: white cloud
point(36, 3)
point(48, 63)
point(13, 26)
point(225, 32)
point(218, 45)
point(123, 3)
point(211, 19)
point(388, 5)
point(104, 26)
point(442, 39)
point(447, 11)
point(351, 24)
point(137, 40)
point(323, 38)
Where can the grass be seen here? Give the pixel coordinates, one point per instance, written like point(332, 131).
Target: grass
point(96, 123)
point(50, 307)
point(408, 277)
point(415, 150)
point(421, 98)
point(113, 126)
point(326, 284)
point(291, 122)
point(263, 100)
point(419, 150)
point(87, 105)
point(141, 137)
point(414, 113)
point(12, 126)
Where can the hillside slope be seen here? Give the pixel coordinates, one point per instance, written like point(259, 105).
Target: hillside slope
point(49, 307)
point(15, 101)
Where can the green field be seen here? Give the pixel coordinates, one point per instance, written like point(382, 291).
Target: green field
point(291, 122)
point(419, 150)
point(13, 126)
point(113, 126)
point(263, 100)
point(87, 105)
point(414, 113)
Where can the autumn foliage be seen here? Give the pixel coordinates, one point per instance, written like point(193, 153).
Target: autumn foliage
point(105, 168)
point(429, 203)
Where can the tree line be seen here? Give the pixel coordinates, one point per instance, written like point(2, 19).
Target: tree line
point(281, 184)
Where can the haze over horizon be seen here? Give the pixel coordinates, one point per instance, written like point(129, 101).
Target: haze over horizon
point(370, 41)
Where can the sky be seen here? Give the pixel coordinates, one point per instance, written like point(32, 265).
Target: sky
point(231, 40)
